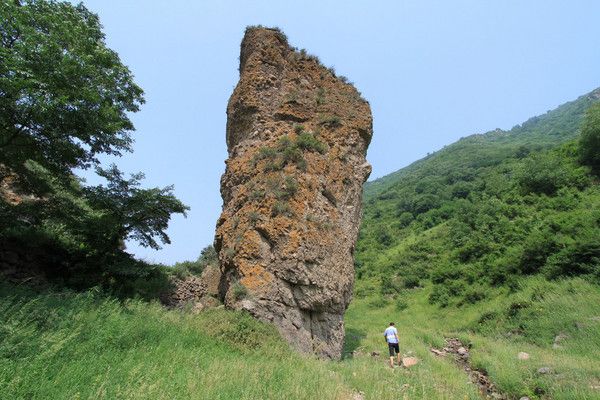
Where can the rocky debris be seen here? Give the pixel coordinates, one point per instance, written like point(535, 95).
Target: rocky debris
point(479, 377)
point(297, 136)
point(408, 362)
point(195, 292)
point(184, 291)
point(523, 356)
point(437, 352)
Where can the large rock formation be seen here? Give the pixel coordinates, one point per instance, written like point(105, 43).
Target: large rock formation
point(297, 136)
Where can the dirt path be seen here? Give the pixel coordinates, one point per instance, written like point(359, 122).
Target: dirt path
point(460, 352)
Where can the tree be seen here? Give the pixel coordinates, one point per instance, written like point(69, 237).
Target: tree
point(133, 212)
point(589, 142)
point(64, 100)
point(64, 96)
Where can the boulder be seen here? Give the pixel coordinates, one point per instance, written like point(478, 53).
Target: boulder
point(297, 137)
point(408, 362)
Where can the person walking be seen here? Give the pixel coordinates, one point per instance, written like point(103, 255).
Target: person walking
point(391, 337)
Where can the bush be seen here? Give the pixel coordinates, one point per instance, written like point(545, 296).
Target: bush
point(238, 291)
point(331, 121)
point(589, 141)
point(389, 285)
point(439, 295)
point(281, 208)
point(308, 141)
point(474, 295)
point(378, 302)
point(401, 304)
point(411, 281)
point(581, 258)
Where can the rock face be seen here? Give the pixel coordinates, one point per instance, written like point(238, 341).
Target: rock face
point(297, 137)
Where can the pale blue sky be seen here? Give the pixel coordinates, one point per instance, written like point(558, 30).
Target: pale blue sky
point(433, 71)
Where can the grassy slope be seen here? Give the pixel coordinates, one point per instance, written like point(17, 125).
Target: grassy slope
point(64, 345)
point(570, 307)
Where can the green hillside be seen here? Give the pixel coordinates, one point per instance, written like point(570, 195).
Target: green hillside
point(496, 240)
point(486, 210)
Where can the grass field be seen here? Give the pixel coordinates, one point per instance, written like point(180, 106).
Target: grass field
point(65, 345)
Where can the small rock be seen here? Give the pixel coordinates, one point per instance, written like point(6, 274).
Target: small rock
point(524, 398)
point(375, 354)
point(544, 370)
point(523, 356)
point(560, 337)
point(437, 352)
point(409, 361)
point(358, 396)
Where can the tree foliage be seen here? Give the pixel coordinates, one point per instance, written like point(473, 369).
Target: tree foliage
point(589, 143)
point(486, 210)
point(64, 100)
point(65, 95)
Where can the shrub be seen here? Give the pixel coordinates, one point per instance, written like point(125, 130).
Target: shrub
point(405, 219)
point(378, 302)
point(256, 195)
point(254, 217)
point(238, 291)
point(308, 141)
point(401, 304)
point(389, 285)
point(320, 96)
point(589, 142)
point(474, 295)
point(281, 208)
point(411, 281)
point(331, 121)
point(439, 295)
point(580, 258)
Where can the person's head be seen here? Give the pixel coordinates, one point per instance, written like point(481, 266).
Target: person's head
point(391, 324)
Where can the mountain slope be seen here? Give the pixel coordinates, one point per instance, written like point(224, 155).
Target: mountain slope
point(486, 209)
point(543, 131)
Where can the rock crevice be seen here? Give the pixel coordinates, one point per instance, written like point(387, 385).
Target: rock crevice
point(297, 137)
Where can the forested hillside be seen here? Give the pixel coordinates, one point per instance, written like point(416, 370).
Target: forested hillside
point(486, 210)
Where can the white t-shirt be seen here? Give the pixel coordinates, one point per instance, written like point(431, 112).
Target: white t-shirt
point(390, 334)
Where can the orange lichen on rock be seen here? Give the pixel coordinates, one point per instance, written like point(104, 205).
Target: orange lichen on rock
point(297, 137)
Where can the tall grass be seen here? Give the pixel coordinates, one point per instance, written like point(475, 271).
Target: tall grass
point(497, 333)
point(66, 345)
